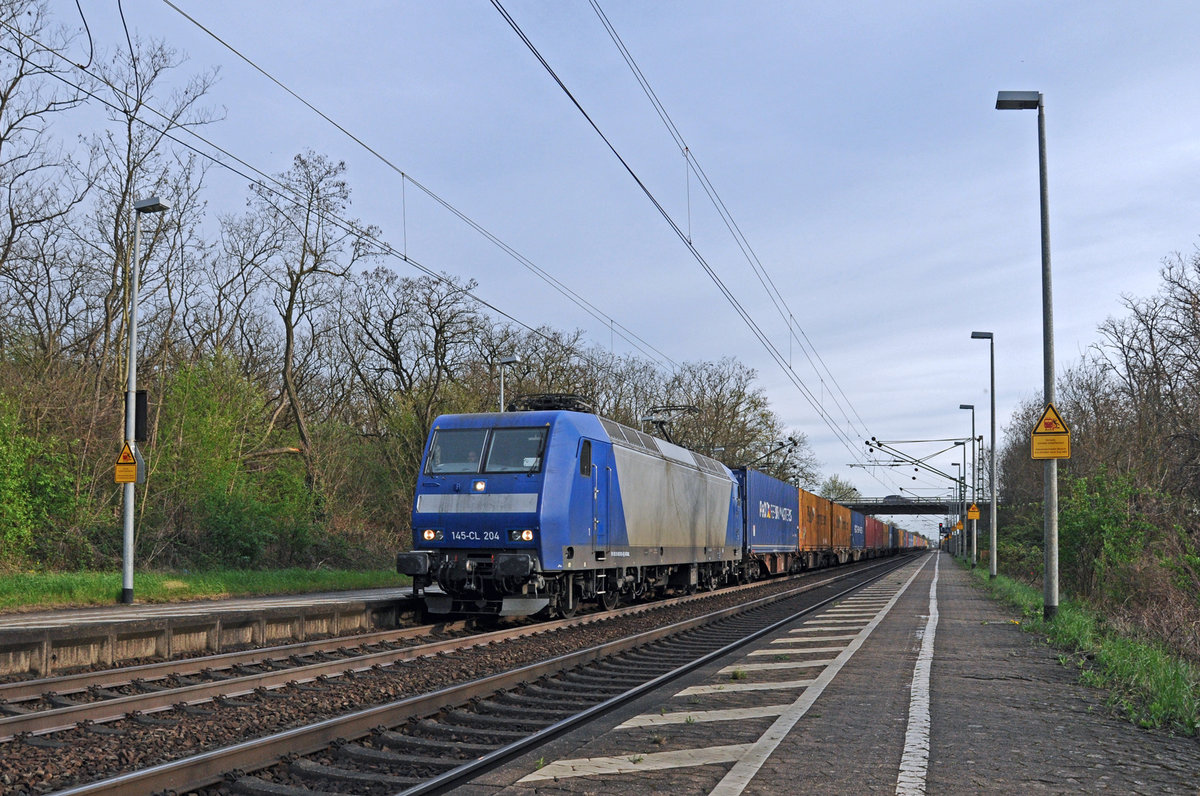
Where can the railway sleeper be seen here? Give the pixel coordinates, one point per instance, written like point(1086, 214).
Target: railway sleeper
point(456, 733)
point(559, 693)
point(358, 753)
point(399, 741)
point(540, 701)
point(9, 709)
point(630, 668)
point(473, 719)
point(307, 769)
point(58, 701)
point(607, 683)
point(664, 659)
point(523, 710)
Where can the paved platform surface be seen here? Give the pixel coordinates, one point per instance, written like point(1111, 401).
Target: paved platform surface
point(45, 643)
point(140, 612)
point(918, 685)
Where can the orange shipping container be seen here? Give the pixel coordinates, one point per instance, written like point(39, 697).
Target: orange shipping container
point(841, 526)
point(814, 522)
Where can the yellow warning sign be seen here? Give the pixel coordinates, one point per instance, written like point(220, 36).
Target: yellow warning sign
point(126, 470)
point(958, 525)
point(1050, 438)
point(1051, 422)
point(973, 512)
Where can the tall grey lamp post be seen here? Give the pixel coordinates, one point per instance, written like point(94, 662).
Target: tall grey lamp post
point(1030, 100)
point(958, 482)
point(513, 360)
point(151, 205)
point(992, 474)
point(974, 466)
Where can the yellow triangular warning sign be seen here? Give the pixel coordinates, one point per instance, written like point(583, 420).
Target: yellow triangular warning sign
point(126, 456)
point(1050, 422)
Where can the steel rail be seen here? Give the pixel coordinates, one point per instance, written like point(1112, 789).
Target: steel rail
point(208, 768)
point(23, 690)
point(42, 722)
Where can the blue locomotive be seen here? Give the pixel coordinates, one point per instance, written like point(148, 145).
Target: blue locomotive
point(528, 511)
point(538, 511)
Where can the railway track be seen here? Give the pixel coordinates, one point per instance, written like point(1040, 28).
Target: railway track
point(516, 678)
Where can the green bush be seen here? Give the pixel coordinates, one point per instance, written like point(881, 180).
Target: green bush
point(1102, 536)
point(37, 492)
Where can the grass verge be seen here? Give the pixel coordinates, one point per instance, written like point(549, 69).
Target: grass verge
point(1152, 687)
point(26, 591)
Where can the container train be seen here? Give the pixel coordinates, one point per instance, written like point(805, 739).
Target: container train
point(525, 512)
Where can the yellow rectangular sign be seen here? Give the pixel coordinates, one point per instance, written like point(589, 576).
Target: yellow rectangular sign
point(1050, 446)
point(973, 512)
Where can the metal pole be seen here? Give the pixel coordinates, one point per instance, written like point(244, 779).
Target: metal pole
point(130, 414)
point(1050, 485)
point(992, 512)
point(502, 387)
point(974, 495)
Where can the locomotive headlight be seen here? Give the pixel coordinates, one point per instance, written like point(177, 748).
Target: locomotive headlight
point(520, 536)
point(478, 486)
point(431, 535)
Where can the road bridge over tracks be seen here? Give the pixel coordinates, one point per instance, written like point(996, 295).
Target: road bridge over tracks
point(897, 504)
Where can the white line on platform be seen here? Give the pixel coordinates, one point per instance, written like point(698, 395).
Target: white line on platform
point(793, 650)
point(747, 767)
point(634, 763)
point(914, 763)
point(728, 688)
point(698, 716)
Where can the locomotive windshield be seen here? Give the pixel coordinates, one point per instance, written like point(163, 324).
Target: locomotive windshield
point(510, 450)
point(516, 450)
point(456, 450)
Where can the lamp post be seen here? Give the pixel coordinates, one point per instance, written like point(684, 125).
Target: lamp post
point(974, 472)
point(506, 361)
point(151, 205)
point(1030, 100)
point(958, 507)
point(992, 474)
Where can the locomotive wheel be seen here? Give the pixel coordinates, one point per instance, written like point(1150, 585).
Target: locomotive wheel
point(610, 600)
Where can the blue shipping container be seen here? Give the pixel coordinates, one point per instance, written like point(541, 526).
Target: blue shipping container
point(858, 530)
point(772, 512)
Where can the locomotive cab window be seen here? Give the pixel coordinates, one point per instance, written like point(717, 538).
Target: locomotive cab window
point(456, 450)
point(585, 457)
point(516, 450)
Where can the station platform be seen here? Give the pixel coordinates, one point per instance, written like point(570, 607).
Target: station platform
point(44, 643)
point(918, 684)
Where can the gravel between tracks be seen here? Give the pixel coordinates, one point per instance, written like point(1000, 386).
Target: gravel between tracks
point(85, 754)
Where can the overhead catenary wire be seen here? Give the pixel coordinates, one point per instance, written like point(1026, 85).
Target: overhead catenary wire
point(268, 183)
point(624, 332)
point(760, 271)
point(263, 180)
point(746, 317)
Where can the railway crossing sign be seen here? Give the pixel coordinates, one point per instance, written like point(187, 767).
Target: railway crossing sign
point(1050, 438)
point(131, 468)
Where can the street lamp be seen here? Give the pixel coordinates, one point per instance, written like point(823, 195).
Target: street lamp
point(958, 482)
point(151, 205)
point(512, 360)
point(1030, 100)
point(992, 512)
point(974, 473)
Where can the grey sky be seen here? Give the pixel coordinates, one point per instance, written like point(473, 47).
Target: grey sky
point(856, 145)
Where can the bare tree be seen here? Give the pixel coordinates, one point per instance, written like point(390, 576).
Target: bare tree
point(297, 238)
point(38, 179)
